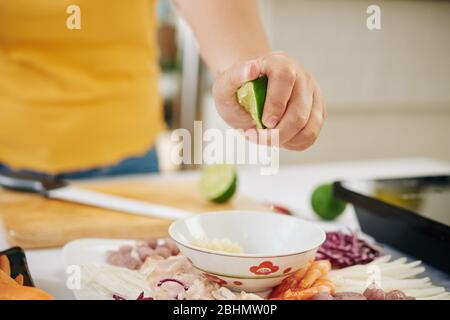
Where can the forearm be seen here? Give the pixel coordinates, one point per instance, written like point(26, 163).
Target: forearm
point(227, 31)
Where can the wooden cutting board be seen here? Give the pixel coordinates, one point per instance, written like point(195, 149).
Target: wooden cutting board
point(32, 221)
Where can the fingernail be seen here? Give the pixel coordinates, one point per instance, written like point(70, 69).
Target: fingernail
point(271, 122)
point(247, 70)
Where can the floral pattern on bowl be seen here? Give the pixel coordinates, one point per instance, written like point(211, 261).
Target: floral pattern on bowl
point(264, 268)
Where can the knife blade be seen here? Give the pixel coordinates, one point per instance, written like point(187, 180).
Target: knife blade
point(62, 190)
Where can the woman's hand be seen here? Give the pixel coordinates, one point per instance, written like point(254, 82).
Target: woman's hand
point(294, 103)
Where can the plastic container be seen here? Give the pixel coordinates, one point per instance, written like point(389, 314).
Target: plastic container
point(409, 214)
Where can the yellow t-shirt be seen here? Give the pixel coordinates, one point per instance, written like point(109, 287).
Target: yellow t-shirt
point(71, 99)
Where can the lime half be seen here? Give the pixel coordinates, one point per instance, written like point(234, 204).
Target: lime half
point(218, 182)
point(252, 96)
point(324, 203)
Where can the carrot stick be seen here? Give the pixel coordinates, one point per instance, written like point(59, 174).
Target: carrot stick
point(5, 279)
point(16, 292)
point(305, 294)
point(19, 279)
point(5, 265)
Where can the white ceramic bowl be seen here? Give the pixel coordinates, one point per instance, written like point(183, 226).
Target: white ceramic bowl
point(274, 245)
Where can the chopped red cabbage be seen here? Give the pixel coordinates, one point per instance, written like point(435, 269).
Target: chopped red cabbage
point(346, 249)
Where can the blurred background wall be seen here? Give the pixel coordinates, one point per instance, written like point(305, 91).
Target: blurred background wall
point(387, 91)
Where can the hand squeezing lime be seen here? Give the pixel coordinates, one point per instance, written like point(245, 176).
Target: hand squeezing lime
point(324, 203)
point(252, 96)
point(218, 182)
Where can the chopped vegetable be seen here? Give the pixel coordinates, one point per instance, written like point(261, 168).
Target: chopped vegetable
point(346, 249)
point(110, 280)
point(220, 245)
point(395, 276)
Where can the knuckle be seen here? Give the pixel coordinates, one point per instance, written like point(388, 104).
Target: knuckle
point(318, 116)
point(301, 119)
point(290, 126)
point(277, 75)
point(282, 70)
point(276, 106)
point(309, 136)
point(285, 73)
point(301, 143)
point(302, 147)
point(309, 80)
point(290, 74)
point(295, 146)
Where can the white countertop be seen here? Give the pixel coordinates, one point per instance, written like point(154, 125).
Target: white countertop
point(291, 187)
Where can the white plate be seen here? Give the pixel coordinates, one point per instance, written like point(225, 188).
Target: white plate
point(93, 250)
point(88, 251)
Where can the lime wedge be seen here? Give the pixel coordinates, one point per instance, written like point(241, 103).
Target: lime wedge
point(324, 203)
point(252, 96)
point(218, 182)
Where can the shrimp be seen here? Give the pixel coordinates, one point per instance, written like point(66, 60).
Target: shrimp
point(305, 283)
point(325, 282)
point(300, 274)
point(318, 269)
point(290, 282)
point(278, 291)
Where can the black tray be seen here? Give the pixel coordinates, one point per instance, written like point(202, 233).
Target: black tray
point(19, 265)
point(400, 226)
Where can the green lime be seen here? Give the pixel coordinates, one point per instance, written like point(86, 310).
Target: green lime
point(218, 182)
point(325, 204)
point(252, 96)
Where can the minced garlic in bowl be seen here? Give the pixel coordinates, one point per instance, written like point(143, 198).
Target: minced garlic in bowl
point(221, 245)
